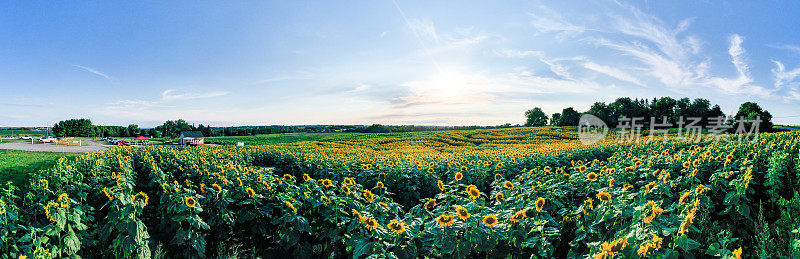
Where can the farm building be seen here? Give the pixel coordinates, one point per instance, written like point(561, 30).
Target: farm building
point(191, 138)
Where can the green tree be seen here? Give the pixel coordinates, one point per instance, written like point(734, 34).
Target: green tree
point(74, 128)
point(133, 130)
point(535, 117)
point(554, 120)
point(751, 111)
point(663, 107)
point(601, 110)
point(569, 117)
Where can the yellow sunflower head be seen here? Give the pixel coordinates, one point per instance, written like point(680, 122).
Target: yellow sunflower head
point(604, 196)
point(430, 204)
point(473, 192)
point(462, 213)
point(591, 177)
point(397, 226)
point(490, 220)
point(508, 185)
point(191, 202)
point(368, 195)
point(519, 215)
point(371, 223)
point(540, 204)
point(499, 197)
point(445, 220)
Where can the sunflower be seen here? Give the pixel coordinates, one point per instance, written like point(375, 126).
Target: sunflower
point(440, 184)
point(490, 220)
point(368, 195)
point(604, 196)
point(291, 206)
point(108, 195)
point(582, 168)
point(144, 196)
point(614, 247)
point(250, 192)
point(190, 202)
point(327, 183)
point(349, 181)
point(2, 207)
point(473, 192)
point(239, 182)
point(371, 223)
point(430, 204)
point(459, 175)
point(397, 226)
point(63, 200)
point(216, 188)
point(306, 178)
point(462, 213)
point(540, 204)
point(379, 185)
point(650, 186)
point(508, 185)
point(345, 189)
point(737, 253)
point(325, 200)
point(287, 177)
point(445, 220)
point(463, 169)
point(43, 183)
point(430, 170)
point(519, 215)
point(498, 177)
point(499, 197)
point(682, 200)
point(687, 164)
point(357, 215)
point(591, 177)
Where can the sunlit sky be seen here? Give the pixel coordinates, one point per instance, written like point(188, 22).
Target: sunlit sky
point(404, 62)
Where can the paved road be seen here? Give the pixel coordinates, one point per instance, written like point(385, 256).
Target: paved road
point(88, 147)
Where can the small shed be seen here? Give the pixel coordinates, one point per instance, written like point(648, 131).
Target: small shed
point(191, 138)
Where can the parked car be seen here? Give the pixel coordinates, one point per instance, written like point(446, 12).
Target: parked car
point(48, 139)
point(26, 137)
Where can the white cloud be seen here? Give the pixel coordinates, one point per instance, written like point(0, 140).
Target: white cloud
point(783, 77)
point(93, 71)
point(612, 72)
point(424, 29)
point(360, 88)
point(546, 20)
point(173, 95)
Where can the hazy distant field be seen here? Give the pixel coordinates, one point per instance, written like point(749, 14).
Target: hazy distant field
point(297, 137)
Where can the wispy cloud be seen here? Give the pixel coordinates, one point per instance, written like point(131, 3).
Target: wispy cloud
point(424, 28)
point(173, 95)
point(546, 20)
point(93, 71)
point(613, 72)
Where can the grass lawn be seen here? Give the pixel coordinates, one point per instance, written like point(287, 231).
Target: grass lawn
point(16, 165)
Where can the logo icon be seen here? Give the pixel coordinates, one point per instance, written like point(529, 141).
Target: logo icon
point(591, 129)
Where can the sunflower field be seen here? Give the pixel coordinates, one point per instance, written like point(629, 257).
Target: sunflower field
point(519, 192)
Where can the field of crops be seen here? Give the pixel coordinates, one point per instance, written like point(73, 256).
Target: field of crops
point(517, 192)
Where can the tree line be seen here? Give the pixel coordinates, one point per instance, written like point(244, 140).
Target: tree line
point(659, 108)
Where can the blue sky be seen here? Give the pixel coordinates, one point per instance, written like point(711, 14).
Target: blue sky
point(404, 62)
